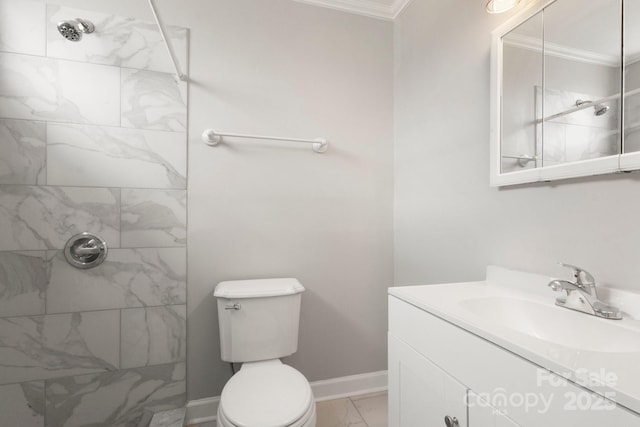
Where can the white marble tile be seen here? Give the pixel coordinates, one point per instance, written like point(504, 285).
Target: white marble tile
point(128, 278)
point(116, 399)
point(153, 336)
point(24, 278)
point(117, 40)
point(338, 413)
point(373, 409)
point(51, 346)
point(585, 142)
point(22, 152)
point(21, 27)
point(152, 100)
point(22, 405)
point(632, 123)
point(170, 418)
point(33, 218)
point(37, 88)
point(153, 218)
point(115, 157)
point(553, 147)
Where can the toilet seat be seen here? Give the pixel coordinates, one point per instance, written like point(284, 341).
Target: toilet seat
point(307, 420)
point(267, 394)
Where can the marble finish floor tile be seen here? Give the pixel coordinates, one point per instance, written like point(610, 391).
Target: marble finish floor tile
point(373, 409)
point(171, 418)
point(208, 424)
point(338, 413)
point(367, 410)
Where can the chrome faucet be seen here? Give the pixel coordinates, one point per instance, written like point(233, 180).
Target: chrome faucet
point(582, 295)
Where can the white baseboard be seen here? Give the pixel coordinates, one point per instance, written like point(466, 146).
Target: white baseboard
point(205, 410)
point(352, 385)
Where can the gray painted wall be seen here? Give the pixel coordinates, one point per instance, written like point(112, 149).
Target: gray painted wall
point(449, 224)
point(273, 210)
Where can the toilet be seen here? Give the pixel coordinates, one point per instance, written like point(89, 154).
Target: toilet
point(258, 322)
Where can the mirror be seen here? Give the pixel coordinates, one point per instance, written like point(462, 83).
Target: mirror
point(632, 77)
point(557, 80)
point(582, 81)
point(522, 72)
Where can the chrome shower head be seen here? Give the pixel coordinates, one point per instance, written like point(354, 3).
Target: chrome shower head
point(74, 29)
point(600, 109)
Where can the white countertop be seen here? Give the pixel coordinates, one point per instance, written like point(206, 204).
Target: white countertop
point(601, 355)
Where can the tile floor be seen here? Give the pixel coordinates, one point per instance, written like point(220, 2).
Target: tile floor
point(367, 410)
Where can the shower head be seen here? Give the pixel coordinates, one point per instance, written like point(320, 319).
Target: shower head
point(599, 109)
point(74, 29)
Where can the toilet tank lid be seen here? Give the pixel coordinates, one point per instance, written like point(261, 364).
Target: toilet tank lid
point(258, 288)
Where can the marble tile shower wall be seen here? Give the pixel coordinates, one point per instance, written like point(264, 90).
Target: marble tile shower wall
point(92, 138)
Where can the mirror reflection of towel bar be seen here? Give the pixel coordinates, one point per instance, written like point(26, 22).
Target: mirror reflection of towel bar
point(212, 137)
point(522, 160)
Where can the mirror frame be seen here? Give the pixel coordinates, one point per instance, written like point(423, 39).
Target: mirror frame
point(603, 165)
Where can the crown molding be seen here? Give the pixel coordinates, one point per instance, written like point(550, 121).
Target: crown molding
point(363, 7)
point(398, 6)
point(560, 51)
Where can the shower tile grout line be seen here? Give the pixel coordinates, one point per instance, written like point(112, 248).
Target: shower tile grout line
point(95, 310)
point(45, 380)
point(58, 122)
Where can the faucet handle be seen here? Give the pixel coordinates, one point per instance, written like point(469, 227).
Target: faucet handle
point(583, 277)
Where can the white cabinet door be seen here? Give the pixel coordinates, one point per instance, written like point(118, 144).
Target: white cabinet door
point(420, 393)
point(503, 421)
point(481, 414)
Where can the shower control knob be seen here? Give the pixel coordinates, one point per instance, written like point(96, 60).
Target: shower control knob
point(85, 250)
point(451, 422)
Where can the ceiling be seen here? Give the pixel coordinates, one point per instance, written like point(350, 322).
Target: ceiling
point(381, 9)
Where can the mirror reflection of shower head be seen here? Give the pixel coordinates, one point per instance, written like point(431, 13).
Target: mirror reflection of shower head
point(74, 29)
point(599, 109)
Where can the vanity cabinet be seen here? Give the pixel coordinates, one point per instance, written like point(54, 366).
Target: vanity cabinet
point(422, 394)
point(438, 369)
point(484, 415)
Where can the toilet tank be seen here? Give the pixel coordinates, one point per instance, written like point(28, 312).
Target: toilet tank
point(258, 319)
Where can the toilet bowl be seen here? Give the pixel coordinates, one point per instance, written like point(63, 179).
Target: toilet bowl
point(267, 394)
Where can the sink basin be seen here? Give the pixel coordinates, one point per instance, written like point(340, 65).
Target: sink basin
point(556, 324)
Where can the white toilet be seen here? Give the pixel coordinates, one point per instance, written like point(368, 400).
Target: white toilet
point(258, 325)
